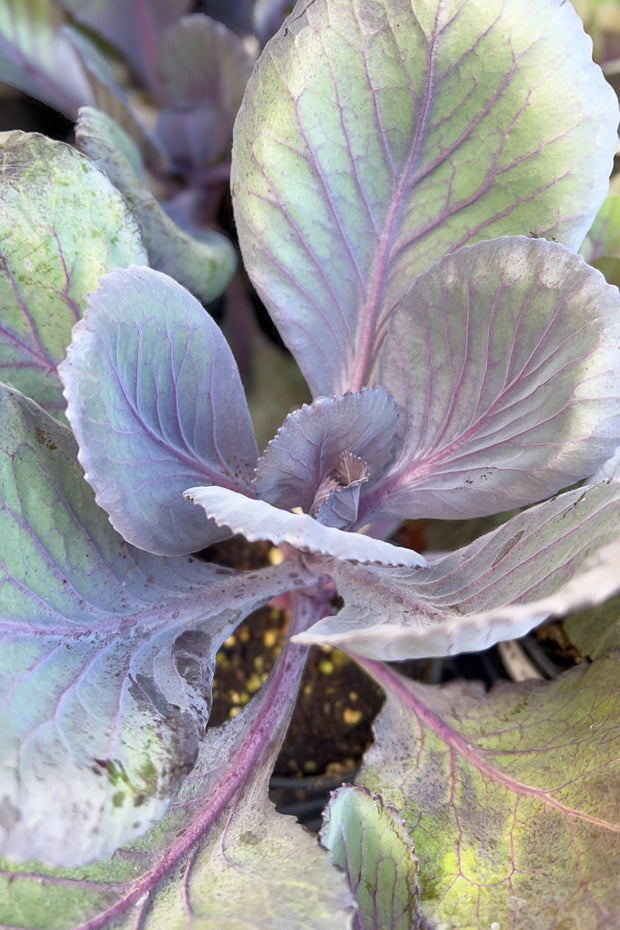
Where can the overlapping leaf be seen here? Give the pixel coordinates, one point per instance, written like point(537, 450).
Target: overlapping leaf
point(547, 561)
point(112, 99)
point(257, 520)
point(62, 226)
point(37, 58)
point(368, 840)
point(156, 403)
point(134, 27)
point(313, 439)
point(221, 856)
point(106, 655)
point(504, 360)
point(511, 798)
point(204, 266)
point(375, 138)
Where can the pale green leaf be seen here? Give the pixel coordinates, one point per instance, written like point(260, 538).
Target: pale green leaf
point(62, 226)
point(378, 135)
point(512, 799)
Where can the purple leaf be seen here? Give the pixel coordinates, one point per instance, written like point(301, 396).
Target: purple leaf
point(504, 360)
point(555, 558)
point(106, 655)
point(204, 69)
point(156, 403)
point(375, 138)
point(219, 849)
point(510, 797)
point(134, 27)
point(256, 520)
point(309, 448)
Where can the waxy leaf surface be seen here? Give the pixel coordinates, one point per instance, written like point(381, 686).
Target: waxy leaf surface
point(504, 361)
point(37, 58)
point(221, 857)
point(62, 226)
point(156, 403)
point(106, 655)
point(375, 137)
point(257, 520)
point(204, 267)
point(368, 840)
point(557, 557)
point(511, 798)
point(311, 442)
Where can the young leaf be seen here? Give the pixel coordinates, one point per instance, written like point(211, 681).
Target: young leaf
point(156, 403)
point(220, 857)
point(310, 444)
point(204, 70)
point(368, 840)
point(37, 58)
point(106, 655)
point(256, 520)
point(62, 225)
point(358, 159)
point(550, 560)
point(204, 267)
point(510, 798)
point(504, 360)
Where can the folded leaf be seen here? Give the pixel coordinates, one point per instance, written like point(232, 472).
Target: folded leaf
point(62, 226)
point(37, 58)
point(550, 560)
point(368, 840)
point(311, 442)
point(106, 655)
point(504, 360)
point(256, 520)
point(375, 138)
point(511, 798)
point(204, 267)
point(220, 857)
point(156, 403)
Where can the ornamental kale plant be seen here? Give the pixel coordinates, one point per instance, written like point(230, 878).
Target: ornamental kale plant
point(411, 184)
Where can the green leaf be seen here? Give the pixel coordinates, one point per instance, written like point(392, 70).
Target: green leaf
point(376, 136)
point(368, 840)
point(512, 798)
point(204, 267)
point(62, 226)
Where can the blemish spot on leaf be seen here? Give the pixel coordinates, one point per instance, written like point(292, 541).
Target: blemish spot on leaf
point(503, 552)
